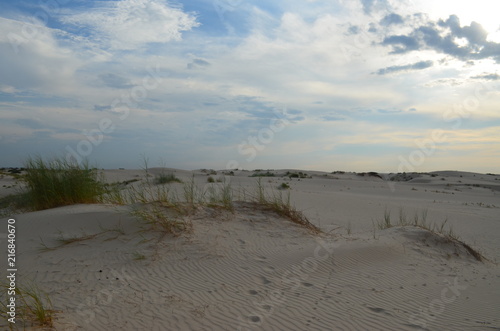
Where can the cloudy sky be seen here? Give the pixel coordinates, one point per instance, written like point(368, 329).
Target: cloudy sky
point(356, 85)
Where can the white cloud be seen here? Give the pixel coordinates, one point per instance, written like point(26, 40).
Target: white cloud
point(129, 24)
point(34, 61)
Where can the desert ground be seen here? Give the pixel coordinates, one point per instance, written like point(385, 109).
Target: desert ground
point(250, 268)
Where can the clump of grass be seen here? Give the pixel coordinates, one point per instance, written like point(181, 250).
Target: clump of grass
point(139, 256)
point(144, 193)
point(374, 230)
point(282, 206)
point(386, 222)
point(191, 193)
point(115, 195)
point(402, 216)
point(157, 218)
point(157, 205)
point(165, 178)
point(59, 182)
point(221, 195)
point(423, 215)
point(284, 186)
point(161, 210)
point(261, 196)
point(432, 227)
point(33, 306)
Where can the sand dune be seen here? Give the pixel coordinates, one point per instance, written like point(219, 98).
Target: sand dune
point(252, 269)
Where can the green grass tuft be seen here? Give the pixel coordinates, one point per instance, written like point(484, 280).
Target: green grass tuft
point(165, 178)
point(59, 182)
point(282, 206)
point(284, 186)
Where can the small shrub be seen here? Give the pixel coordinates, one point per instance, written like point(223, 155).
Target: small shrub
point(210, 179)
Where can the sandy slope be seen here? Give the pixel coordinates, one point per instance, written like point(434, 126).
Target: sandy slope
point(252, 269)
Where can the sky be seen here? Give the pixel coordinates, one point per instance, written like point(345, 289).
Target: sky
point(358, 85)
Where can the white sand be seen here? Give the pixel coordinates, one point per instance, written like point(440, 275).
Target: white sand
point(253, 270)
